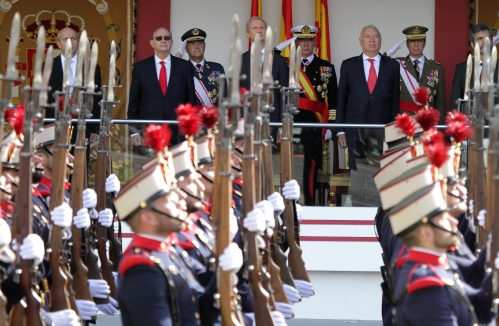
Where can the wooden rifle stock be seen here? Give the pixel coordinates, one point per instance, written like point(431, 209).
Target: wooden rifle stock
point(295, 261)
point(23, 224)
point(277, 265)
point(80, 274)
point(16, 314)
point(492, 204)
point(261, 297)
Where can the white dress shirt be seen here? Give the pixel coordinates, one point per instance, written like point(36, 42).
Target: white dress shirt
point(367, 64)
point(168, 65)
point(73, 66)
point(420, 64)
point(196, 63)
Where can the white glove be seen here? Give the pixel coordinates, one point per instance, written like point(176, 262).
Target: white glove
point(99, 288)
point(115, 276)
point(395, 48)
point(87, 309)
point(109, 308)
point(32, 248)
point(292, 293)
point(82, 219)
point(328, 135)
point(66, 317)
point(278, 318)
point(495, 40)
point(93, 214)
point(496, 261)
point(285, 309)
point(277, 202)
point(299, 212)
point(471, 206)
point(231, 260)
point(255, 221)
point(113, 184)
point(62, 215)
point(181, 50)
point(233, 226)
point(291, 190)
point(305, 288)
point(481, 217)
point(89, 198)
point(106, 217)
point(268, 211)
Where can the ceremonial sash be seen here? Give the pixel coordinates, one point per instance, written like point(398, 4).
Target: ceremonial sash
point(202, 93)
point(409, 106)
point(408, 79)
point(310, 103)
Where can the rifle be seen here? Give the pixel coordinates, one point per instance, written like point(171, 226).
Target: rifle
point(261, 296)
point(276, 265)
point(290, 98)
point(25, 273)
point(85, 100)
point(103, 171)
point(59, 290)
point(5, 103)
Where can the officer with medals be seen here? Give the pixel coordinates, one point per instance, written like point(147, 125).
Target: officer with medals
point(159, 282)
point(205, 72)
point(317, 103)
point(418, 71)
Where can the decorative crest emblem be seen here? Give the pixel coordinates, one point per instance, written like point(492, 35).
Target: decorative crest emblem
point(305, 30)
point(195, 31)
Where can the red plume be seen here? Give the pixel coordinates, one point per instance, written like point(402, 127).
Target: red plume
point(405, 124)
point(427, 118)
point(437, 153)
point(61, 104)
point(157, 137)
point(421, 96)
point(16, 118)
point(189, 124)
point(209, 115)
point(185, 109)
point(433, 136)
point(455, 115)
point(459, 130)
point(243, 90)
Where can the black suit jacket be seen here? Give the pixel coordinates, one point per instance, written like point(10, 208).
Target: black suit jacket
point(55, 83)
point(146, 100)
point(356, 105)
point(459, 81)
point(280, 73)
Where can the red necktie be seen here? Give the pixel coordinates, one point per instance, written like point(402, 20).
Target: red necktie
point(162, 77)
point(371, 80)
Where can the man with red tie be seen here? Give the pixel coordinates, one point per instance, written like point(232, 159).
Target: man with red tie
point(159, 85)
point(368, 91)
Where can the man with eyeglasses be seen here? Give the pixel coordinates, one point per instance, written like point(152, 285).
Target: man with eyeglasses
point(317, 104)
point(56, 79)
point(159, 85)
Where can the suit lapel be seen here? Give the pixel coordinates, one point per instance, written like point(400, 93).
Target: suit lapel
point(359, 67)
point(381, 73)
point(426, 71)
point(151, 72)
point(173, 74)
point(409, 66)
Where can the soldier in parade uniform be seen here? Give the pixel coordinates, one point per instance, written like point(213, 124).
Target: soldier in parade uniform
point(160, 284)
point(418, 71)
point(317, 103)
point(205, 72)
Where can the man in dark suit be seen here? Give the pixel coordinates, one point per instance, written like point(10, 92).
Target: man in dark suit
point(205, 72)
point(317, 104)
point(159, 85)
point(368, 91)
point(254, 26)
point(56, 79)
point(478, 33)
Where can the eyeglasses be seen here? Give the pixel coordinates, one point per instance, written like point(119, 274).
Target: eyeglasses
point(165, 37)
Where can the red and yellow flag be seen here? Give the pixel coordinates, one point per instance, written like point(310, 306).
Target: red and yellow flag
point(322, 23)
point(286, 24)
point(256, 10)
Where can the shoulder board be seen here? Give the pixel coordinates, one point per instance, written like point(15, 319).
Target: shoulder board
point(425, 282)
point(135, 258)
point(433, 61)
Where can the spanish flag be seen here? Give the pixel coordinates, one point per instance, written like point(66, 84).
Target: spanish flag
point(286, 24)
point(256, 10)
point(322, 23)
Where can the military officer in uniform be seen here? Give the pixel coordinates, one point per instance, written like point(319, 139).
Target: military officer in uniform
point(317, 103)
point(205, 72)
point(418, 71)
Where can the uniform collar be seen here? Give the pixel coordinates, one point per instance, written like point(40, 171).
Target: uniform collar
point(427, 256)
point(198, 63)
point(151, 242)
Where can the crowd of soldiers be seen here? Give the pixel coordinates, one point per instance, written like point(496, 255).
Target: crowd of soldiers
point(209, 248)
